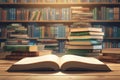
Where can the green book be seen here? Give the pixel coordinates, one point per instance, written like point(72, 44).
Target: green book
point(78, 33)
point(84, 42)
point(78, 52)
point(16, 48)
point(86, 33)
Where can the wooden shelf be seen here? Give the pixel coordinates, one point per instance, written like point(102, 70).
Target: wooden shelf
point(32, 38)
point(112, 38)
point(47, 39)
point(60, 4)
point(41, 21)
point(59, 21)
point(102, 21)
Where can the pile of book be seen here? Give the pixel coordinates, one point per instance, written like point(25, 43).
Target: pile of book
point(84, 40)
point(49, 44)
point(17, 31)
point(81, 13)
point(110, 55)
point(18, 43)
point(19, 55)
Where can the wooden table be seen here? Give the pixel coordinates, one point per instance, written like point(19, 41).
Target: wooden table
point(37, 75)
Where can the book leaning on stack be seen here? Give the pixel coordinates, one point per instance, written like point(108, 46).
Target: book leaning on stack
point(18, 43)
point(84, 41)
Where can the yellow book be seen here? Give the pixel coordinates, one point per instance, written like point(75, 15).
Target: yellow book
point(86, 29)
point(85, 37)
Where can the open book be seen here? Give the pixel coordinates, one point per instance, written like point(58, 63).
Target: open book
point(53, 62)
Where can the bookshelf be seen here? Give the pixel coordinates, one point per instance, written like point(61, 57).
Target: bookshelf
point(62, 5)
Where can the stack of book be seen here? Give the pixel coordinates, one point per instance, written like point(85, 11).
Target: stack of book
point(17, 31)
point(84, 40)
point(18, 43)
point(49, 44)
point(81, 13)
point(110, 55)
point(19, 55)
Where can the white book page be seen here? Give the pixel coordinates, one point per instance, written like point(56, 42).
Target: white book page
point(31, 60)
point(88, 60)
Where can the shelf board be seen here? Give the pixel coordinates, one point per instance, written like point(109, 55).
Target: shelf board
point(47, 39)
point(32, 38)
point(112, 38)
point(41, 21)
point(59, 21)
point(102, 21)
point(61, 4)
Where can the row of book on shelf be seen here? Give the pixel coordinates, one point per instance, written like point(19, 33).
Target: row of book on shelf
point(46, 13)
point(51, 31)
point(33, 30)
point(55, 1)
point(35, 14)
point(111, 44)
point(106, 13)
point(72, 13)
point(110, 30)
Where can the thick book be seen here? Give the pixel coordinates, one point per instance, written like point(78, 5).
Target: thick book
point(86, 29)
point(85, 37)
point(86, 33)
point(23, 48)
point(53, 62)
point(83, 46)
point(111, 51)
point(90, 42)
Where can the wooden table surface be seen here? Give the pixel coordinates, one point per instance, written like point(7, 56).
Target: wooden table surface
point(37, 75)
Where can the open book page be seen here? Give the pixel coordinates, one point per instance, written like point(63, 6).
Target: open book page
point(31, 60)
point(37, 63)
point(77, 62)
point(90, 60)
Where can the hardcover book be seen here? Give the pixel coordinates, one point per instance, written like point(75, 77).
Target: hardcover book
point(53, 62)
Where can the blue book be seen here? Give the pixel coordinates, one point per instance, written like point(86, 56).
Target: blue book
point(110, 14)
point(60, 31)
point(36, 31)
